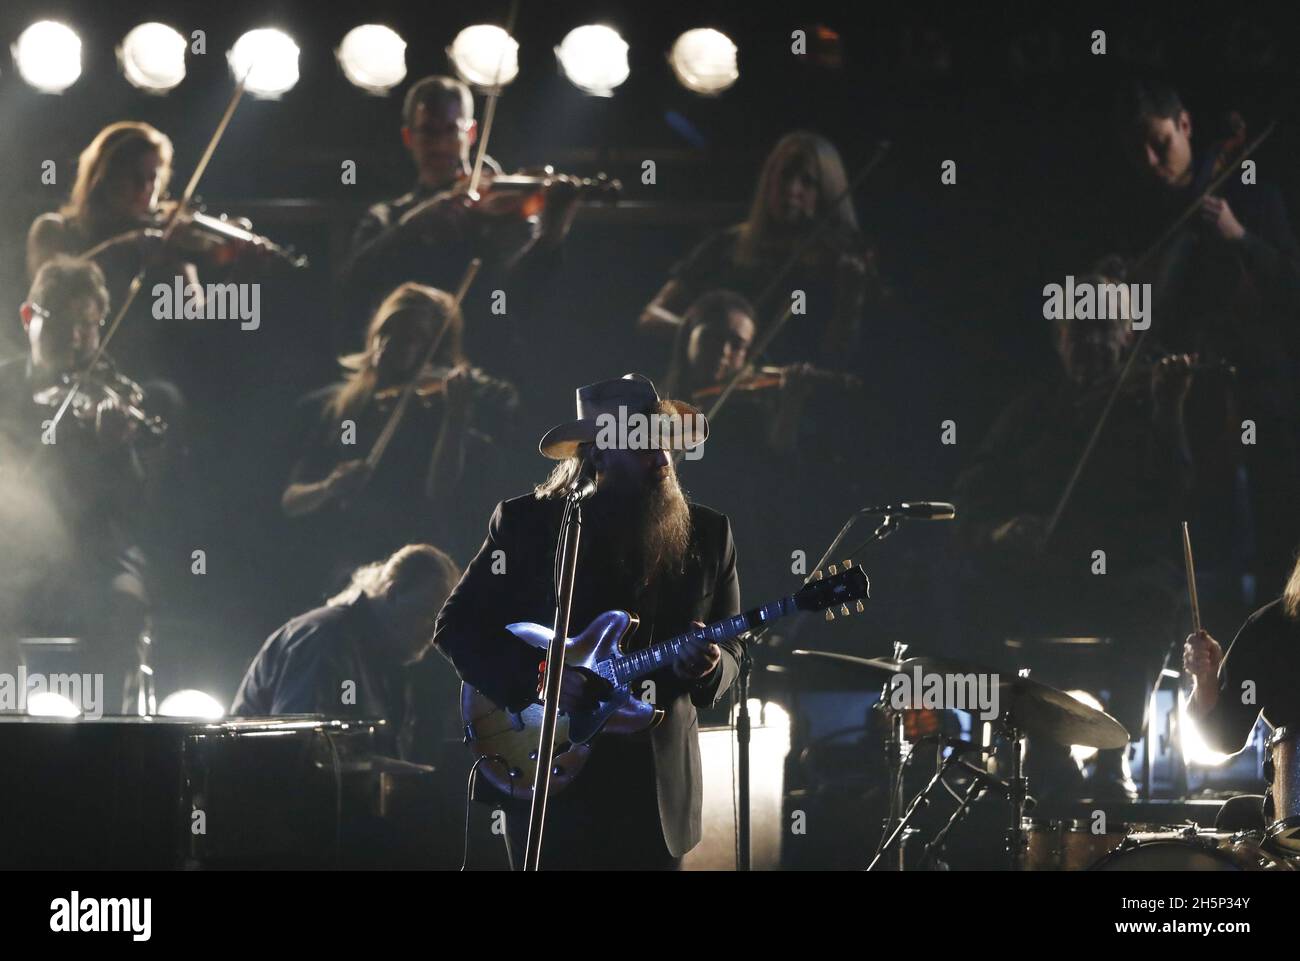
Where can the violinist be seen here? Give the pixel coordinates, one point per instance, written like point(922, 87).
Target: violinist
point(713, 346)
point(72, 565)
point(770, 447)
point(443, 451)
point(430, 234)
point(111, 215)
point(801, 179)
point(1127, 503)
point(1227, 286)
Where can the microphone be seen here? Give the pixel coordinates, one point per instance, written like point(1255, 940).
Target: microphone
point(990, 781)
point(916, 510)
point(581, 487)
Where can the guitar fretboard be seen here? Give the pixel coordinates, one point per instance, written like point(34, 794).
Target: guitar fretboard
point(655, 656)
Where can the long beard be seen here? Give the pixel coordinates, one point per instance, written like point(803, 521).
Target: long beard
point(654, 531)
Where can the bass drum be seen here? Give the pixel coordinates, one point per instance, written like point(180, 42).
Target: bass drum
point(1207, 852)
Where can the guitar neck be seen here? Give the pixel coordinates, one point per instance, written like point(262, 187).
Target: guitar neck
point(649, 660)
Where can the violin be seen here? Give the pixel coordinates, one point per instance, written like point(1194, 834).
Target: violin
point(531, 188)
point(222, 241)
point(93, 387)
point(768, 378)
point(429, 383)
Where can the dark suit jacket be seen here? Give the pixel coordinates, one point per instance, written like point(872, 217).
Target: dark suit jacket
point(471, 633)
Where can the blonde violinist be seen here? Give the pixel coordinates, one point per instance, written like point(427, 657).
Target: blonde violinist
point(802, 183)
point(440, 449)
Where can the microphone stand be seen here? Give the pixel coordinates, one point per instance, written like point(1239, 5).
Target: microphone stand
point(567, 562)
point(743, 729)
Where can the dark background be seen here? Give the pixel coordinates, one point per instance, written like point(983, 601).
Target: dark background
point(1012, 95)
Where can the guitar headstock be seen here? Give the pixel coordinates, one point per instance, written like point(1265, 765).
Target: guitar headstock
point(834, 588)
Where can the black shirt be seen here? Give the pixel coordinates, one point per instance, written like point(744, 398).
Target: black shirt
point(1235, 300)
point(383, 257)
point(1260, 674)
point(393, 510)
point(1128, 498)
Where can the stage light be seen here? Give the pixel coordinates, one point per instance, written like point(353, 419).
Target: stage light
point(269, 58)
point(51, 704)
point(1082, 753)
point(373, 57)
point(594, 58)
point(48, 56)
point(704, 60)
point(485, 56)
point(152, 57)
point(191, 703)
point(1195, 750)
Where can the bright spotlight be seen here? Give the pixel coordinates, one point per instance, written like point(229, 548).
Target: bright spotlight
point(704, 60)
point(269, 58)
point(1082, 753)
point(373, 57)
point(51, 704)
point(1195, 750)
point(48, 56)
point(594, 58)
point(191, 703)
point(153, 57)
point(484, 55)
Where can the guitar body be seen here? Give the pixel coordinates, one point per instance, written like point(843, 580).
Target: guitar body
point(507, 741)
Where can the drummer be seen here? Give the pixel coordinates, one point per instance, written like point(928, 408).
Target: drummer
point(1259, 674)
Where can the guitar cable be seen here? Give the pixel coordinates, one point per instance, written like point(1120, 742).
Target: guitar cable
point(469, 800)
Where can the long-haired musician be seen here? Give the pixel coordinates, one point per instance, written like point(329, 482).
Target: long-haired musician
point(1259, 674)
point(644, 549)
point(448, 429)
point(111, 215)
point(801, 183)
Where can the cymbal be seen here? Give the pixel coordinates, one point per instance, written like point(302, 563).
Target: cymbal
point(869, 663)
point(1044, 711)
point(1037, 708)
point(943, 665)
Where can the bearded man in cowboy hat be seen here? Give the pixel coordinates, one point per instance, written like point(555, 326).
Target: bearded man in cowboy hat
point(644, 549)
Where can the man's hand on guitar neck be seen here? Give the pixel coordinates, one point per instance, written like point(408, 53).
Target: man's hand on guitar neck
point(697, 659)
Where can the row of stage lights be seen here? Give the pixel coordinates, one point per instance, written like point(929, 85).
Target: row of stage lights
point(152, 56)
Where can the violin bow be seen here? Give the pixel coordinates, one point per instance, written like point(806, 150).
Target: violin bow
point(173, 221)
point(805, 242)
point(490, 108)
point(404, 401)
point(1215, 183)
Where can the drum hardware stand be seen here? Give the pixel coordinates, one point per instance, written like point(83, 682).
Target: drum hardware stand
point(902, 828)
point(973, 794)
point(1016, 837)
point(894, 758)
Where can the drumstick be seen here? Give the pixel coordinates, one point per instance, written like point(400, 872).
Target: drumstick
point(1191, 580)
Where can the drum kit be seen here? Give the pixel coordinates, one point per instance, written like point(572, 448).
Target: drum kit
point(1030, 708)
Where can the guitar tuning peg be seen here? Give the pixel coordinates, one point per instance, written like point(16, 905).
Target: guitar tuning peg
point(844, 610)
point(818, 576)
point(858, 607)
point(834, 569)
point(830, 615)
point(846, 564)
